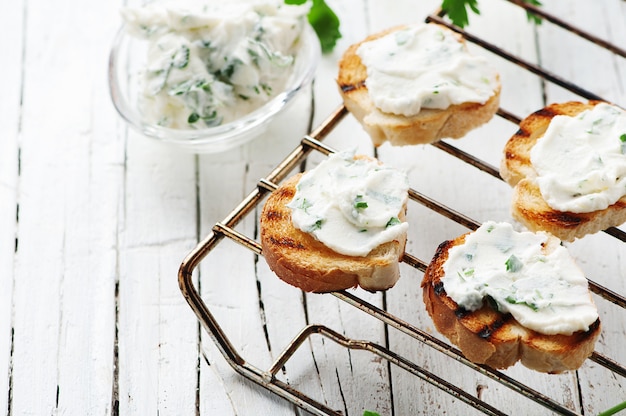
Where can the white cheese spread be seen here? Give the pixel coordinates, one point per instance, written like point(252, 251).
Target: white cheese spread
point(424, 66)
point(351, 205)
point(544, 292)
point(211, 62)
point(581, 161)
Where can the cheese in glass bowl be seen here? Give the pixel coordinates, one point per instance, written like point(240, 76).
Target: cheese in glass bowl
point(210, 75)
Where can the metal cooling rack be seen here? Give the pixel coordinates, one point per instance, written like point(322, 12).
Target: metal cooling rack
point(312, 142)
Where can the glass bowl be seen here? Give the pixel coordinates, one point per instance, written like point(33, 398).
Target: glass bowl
point(127, 59)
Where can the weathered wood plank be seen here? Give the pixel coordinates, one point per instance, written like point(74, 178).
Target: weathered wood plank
point(158, 354)
point(64, 281)
point(11, 18)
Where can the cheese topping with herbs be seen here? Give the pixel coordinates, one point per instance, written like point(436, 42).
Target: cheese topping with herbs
point(544, 292)
point(581, 160)
point(211, 62)
point(424, 66)
point(350, 205)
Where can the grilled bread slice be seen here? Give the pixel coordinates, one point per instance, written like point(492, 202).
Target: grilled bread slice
point(428, 126)
point(301, 260)
point(486, 336)
point(528, 206)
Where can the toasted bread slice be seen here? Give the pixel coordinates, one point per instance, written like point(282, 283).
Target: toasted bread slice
point(428, 126)
point(486, 336)
point(302, 261)
point(528, 206)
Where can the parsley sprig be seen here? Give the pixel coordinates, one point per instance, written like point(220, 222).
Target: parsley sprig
point(324, 21)
point(457, 10)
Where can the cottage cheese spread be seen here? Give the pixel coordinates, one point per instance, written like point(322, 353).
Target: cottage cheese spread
point(424, 66)
point(544, 292)
point(581, 160)
point(214, 61)
point(350, 205)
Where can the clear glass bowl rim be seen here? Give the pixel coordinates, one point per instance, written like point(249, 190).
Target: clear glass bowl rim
point(224, 136)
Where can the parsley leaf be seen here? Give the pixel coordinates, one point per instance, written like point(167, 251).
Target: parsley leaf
point(392, 221)
point(457, 10)
point(324, 21)
point(359, 203)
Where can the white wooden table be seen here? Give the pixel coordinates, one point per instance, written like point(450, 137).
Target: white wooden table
point(95, 221)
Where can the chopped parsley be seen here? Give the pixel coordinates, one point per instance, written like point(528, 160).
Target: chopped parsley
point(513, 264)
point(513, 301)
point(180, 59)
point(359, 203)
point(622, 140)
point(193, 117)
point(317, 225)
point(304, 205)
point(392, 221)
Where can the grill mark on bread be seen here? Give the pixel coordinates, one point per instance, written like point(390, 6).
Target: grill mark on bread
point(287, 242)
point(568, 219)
point(591, 331)
point(546, 112)
point(438, 288)
point(273, 215)
point(491, 330)
point(522, 132)
point(460, 312)
point(352, 87)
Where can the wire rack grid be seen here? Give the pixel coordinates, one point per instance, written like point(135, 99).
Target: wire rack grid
point(312, 142)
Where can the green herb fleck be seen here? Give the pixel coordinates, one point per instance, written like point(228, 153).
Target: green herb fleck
point(370, 413)
point(317, 225)
point(180, 59)
point(392, 221)
point(193, 117)
point(359, 203)
point(594, 124)
point(513, 301)
point(622, 139)
point(513, 264)
point(304, 205)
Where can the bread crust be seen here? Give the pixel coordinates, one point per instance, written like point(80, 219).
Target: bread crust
point(486, 336)
point(528, 205)
point(429, 126)
point(302, 261)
